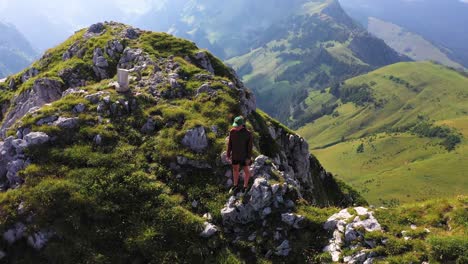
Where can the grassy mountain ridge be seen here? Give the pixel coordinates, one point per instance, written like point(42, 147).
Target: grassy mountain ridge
point(111, 180)
point(309, 50)
point(400, 128)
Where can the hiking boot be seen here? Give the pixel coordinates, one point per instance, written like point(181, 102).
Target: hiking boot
point(244, 190)
point(234, 190)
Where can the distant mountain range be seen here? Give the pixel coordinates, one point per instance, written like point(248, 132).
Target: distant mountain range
point(443, 23)
point(15, 51)
point(315, 46)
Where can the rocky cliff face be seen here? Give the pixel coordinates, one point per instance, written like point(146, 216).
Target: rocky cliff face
point(144, 170)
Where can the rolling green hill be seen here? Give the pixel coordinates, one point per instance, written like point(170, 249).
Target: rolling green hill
point(397, 134)
point(315, 46)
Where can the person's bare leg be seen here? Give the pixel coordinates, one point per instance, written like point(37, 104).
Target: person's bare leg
point(235, 172)
point(246, 176)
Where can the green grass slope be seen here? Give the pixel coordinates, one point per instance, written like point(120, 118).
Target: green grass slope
point(396, 134)
point(314, 47)
point(127, 198)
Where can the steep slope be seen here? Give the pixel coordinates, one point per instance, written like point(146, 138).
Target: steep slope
point(90, 175)
point(317, 45)
point(440, 22)
point(397, 134)
point(409, 43)
point(15, 51)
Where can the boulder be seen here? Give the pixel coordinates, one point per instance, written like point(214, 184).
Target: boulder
point(204, 61)
point(14, 234)
point(196, 139)
point(206, 88)
point(332, 221)
point(36, 138)
point(30, 73)
point(283, 249)
point(209, 230)
point(43, 91)
point(100, 64)
point(149, 127)
point(96, 28)
point(79, 108)
point(131, 33)
point(46, 120)
point(260, 194)
point(66, 123)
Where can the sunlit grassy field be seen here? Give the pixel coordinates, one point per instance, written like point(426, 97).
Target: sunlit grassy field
point(396, 167)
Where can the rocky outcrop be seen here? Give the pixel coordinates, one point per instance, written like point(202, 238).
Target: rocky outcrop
point(13, 158)
point(348, 232)
point(42, 92)
point(204, 61)
point(100, 64)
point(196, 139)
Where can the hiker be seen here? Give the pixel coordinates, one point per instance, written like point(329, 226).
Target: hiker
point(239, 152)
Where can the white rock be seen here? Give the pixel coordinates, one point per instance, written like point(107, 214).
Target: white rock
point(208, 216)
point(196, 139)
point(332, 221)
point(361, 210)
point(36, 138)
point(209, 230)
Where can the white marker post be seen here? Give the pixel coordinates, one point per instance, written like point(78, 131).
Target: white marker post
point(123, 83)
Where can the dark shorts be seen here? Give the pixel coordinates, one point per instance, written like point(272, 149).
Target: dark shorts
point(240, 162)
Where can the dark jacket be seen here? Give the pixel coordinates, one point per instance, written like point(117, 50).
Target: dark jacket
point(240, 144)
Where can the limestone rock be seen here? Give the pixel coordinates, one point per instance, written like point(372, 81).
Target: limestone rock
point(283, 249)
point(67, 123)
point(36, 138)
point(30, 73)
point(332, 221)
point(206, 88)
point(209, 230)
point(46, 120)
point(100, 64)
point(204, 62)
point(79, 108)
point(292, 219)
point(43, 91)
point(196, 139)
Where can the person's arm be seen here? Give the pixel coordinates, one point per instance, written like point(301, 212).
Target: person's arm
point(229, 146)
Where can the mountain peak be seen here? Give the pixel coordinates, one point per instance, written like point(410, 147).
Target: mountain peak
point(85, 163)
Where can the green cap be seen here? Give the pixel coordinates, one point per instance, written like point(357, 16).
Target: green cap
point(238, 121)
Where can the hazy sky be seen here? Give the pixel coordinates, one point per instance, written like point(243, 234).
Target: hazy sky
point(48, 22)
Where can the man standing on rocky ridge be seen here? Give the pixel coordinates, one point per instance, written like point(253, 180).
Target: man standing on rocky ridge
point(239, 152)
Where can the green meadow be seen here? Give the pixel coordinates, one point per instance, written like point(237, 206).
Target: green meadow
point(388, 146)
